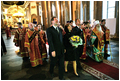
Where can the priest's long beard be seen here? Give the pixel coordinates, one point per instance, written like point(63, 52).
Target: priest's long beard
point(99, 28)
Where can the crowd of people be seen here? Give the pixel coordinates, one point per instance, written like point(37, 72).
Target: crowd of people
point(32, 43)
point(95, 40)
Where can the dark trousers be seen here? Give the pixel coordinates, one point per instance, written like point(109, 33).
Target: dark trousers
point(53, 61)
point(79, 51)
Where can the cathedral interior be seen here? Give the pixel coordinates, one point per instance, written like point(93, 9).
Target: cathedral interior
point(13, 67)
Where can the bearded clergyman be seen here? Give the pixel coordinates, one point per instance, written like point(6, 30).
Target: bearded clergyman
point(95, 46)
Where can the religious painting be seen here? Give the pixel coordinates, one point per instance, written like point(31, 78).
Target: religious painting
point(34, 20)
point(15, 20)
point(5, 22)
point(23, 21)
point(27, 22)
point(1, 23)
point(34, 17)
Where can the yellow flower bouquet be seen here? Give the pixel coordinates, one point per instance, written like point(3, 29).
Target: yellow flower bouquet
point(76, 40)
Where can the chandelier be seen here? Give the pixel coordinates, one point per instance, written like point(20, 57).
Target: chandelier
point(18, 13)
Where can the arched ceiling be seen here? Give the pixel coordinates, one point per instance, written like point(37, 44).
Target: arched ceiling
point(15, 9)
point(7, 4)
point(13, 2)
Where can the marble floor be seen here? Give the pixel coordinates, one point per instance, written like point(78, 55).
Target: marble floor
point(13, 67)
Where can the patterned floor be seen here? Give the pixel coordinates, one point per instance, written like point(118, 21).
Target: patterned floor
point(108, 71)
point(14, 68)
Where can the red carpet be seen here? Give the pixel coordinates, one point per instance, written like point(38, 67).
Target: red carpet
point(105, 70)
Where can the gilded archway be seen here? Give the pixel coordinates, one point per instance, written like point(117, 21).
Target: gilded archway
point(33, 17)
point(14, 14)
point(15, 10)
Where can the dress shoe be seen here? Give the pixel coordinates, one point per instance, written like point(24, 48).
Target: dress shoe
point(66, 71)
point(105, 57)
point(77, 75)
point(108, 55)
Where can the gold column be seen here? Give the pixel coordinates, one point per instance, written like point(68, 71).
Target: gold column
point(66, 11)
point(2, 16)
point(64, 17)
point(84, 10)
point(73, 10)
point(79, 8)
point(76, 11)
point(60, 12)
point(51, 8)
point(33, 8)
point(117, 18)
point(56, 9)
point(44, 14)
point(95, 10)
point(29, 13)
point(38, 17)
point(88, 10)
point(68, 2)
point(77, 14)
point(83, 13)
point(40, 13)
point(53, 13)
point(49, 13)
point(98, 10)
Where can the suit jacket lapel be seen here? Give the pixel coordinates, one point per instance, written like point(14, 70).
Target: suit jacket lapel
point(55, 30)
point(60, 35)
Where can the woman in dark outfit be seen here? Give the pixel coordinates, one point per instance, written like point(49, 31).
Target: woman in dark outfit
point(70, 54)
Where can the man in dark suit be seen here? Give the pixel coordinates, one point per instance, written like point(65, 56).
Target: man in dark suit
point(79, 50)
point(56, 48)
point(3, 47)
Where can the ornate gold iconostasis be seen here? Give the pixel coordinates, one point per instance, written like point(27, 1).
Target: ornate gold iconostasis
point(15, 14)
